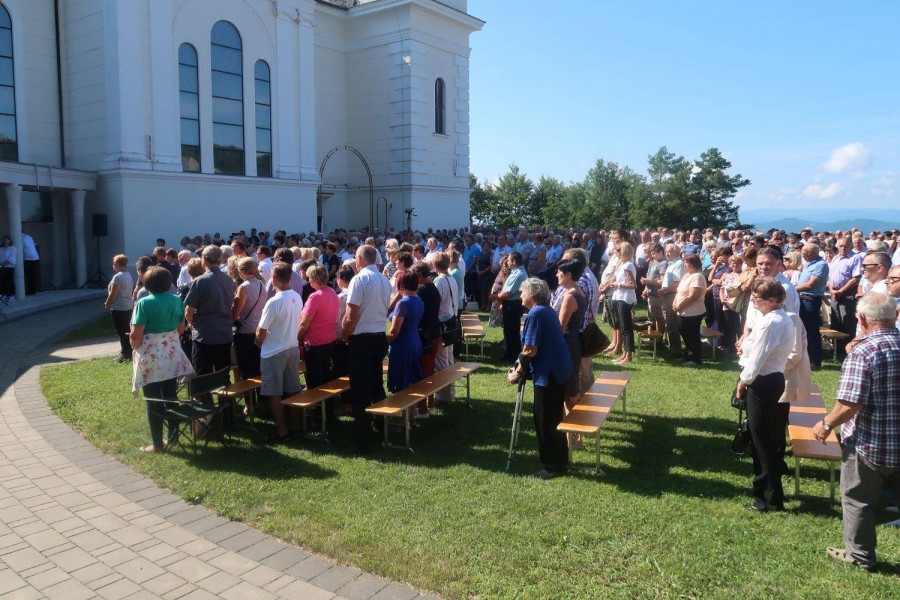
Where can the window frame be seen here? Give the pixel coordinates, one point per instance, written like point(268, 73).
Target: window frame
point(440, 107)
point(218, 166)
point(196, 121)
point(268, 127)
point(14, 144)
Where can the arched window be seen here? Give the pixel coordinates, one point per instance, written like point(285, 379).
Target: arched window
point(263, 83)
point(227, 99)
point(439, 121)
point(9, 145)
point(189, 97)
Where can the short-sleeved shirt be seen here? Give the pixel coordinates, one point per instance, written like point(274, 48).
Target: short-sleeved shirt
point(674, 272)
point(554, 253)
point(525, 249)
point(123, 300)
point(656, 270)
point(211, 295)
point(281, 320)
point(626, 295)
point(449, 294)
point(870, 377)
point(158, 313)
point(542, 330)
point(514, 283)
point(688, 283)
point(371, 292)
point(844, 268)
point(458, 277)
point(499, 253)
point(816, 268)
point(323, 307)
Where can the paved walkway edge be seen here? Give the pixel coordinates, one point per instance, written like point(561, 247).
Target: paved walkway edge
point(250, 563)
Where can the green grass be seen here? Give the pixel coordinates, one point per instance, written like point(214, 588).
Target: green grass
point(665, 521)
point(100, 328)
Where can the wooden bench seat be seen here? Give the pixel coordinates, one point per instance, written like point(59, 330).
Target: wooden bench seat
point(833, 336)
point(246, 389)
point(472, 330)
point(801, 421)
point(650, 335)
point(399, 405)
point(311, 398)
point(712, 336)
point(589, 415)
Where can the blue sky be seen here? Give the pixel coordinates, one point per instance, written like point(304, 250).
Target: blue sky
point(802, 97)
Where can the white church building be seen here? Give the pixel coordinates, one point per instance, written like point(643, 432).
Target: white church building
point(185, 117)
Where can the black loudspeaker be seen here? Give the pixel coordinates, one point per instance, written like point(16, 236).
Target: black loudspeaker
point(100, 224)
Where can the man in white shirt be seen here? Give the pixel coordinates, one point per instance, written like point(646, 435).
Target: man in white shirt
point(363, 329)
point(279, 350)
point(30, 261)
point(184, 278)
point(673, 274)
point(503, 248)
point(264, 257)
point(769, 264)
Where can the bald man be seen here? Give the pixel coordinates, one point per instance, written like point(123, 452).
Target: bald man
point(811, 286)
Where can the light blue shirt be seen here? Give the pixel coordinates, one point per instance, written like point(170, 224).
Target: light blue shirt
point(554, 253)
point(674, 272)
point(817, 268)
point(514, 283)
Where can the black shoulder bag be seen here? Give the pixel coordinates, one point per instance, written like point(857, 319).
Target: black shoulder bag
point(451, 329)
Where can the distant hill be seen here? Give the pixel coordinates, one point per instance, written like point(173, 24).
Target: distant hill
point(829, 220)
point(795, 225)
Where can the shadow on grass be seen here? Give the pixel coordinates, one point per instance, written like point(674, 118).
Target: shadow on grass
point(261, 462)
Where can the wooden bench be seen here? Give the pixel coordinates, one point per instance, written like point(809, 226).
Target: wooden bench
point(246, 389)
point(399, 405)
point(649, 335)
point(833, 336)
point(588, 416)
point(472, 330)
point(712, 336)
point(311, 398)
point(803, 417)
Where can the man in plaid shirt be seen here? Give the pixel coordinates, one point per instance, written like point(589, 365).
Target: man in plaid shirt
point(868, 411)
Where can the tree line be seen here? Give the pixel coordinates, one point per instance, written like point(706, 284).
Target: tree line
point(676, 192)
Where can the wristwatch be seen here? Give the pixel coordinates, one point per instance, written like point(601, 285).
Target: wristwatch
point(826, 426)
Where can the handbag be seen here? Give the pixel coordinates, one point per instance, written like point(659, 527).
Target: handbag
point(741, 440)
point(593, 340)
point(451, 329)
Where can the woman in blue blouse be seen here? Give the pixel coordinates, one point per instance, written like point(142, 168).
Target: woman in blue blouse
point(545, 354)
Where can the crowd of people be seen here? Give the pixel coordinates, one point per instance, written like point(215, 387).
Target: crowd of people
point(346, 300)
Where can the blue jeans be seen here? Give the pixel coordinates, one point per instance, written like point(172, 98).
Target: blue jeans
point(810, 307)
point(165, 390)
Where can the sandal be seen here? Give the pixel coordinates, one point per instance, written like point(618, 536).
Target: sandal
point(842, 555)
point(149, 449)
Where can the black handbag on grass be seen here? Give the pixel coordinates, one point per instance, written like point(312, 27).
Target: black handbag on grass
point(593, 340)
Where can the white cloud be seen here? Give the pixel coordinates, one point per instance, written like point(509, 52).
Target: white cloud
point(877, 191)
point(851, 157)
point(820, 192)
point(888, 178)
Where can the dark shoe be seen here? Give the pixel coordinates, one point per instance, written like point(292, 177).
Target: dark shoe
point(277, 439)
point(763, 507)
point(750, 492)
point(356, 450)
point(545, 474)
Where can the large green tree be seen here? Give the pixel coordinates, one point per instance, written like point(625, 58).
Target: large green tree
point(515, 202)
point(482, 207)
point(713, 190)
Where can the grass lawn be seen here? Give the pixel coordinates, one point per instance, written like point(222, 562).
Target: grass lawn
point(101, 328)
point(667, 519)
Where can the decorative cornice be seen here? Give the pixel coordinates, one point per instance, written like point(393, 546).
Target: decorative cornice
point(284, 11)
point(307, 18)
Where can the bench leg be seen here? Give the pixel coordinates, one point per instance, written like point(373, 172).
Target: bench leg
point(406, 425)
point(624, 404)
point(324, 424)
point(831, 477)
point(599, 471)
point(712, 342)
point(467, 349)
point(654, 348)
point(387, 440)
point(834, 345)
point(796, 476)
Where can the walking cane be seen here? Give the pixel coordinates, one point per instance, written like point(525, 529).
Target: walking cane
point(517, 422)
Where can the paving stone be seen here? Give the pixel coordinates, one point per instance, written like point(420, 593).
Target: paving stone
point(92, 573)
point(245, 539)
point(218, 582)
point(119, 589)
point(301, 589)
point(335, 577)
point(395, 591)
point(246, 591)
point(263, 549)
point(192, 570)
point(164, 583)
point(261, 575)
point(363, 587)
point(139, 569)
point(73, 559)
point(10, 581)
point(309, 568)
point(22, 559)
point(69, 590)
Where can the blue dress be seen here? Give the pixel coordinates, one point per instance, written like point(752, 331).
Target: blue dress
point(404, 360)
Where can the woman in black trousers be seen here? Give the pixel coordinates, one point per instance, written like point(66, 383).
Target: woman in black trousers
point(689, 302)
point(764, 353)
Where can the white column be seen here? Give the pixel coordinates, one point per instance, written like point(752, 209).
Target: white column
point(286, 106)
point(166, 134)
point(78, 236)
point(59, 237)
point(309, 164)
point(122, 46)
point(14, 201)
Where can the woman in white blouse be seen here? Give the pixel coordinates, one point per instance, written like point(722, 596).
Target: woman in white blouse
point(764, 354)
point(623, 297)
point(449, 292)
point(7, 268)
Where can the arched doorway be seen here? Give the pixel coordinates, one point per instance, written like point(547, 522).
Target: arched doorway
point(322, 197)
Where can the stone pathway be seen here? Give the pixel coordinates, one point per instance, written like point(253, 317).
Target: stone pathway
point(77, 524)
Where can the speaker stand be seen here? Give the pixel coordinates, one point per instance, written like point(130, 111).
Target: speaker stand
point(101, 279)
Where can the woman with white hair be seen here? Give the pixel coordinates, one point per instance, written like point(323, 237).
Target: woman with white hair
point(546, 357)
